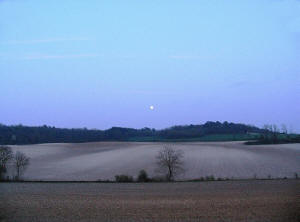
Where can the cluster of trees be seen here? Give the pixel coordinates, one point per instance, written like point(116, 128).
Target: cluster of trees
point(194, 131)
point(19, 161)
point(19, 134)
point(272, 134)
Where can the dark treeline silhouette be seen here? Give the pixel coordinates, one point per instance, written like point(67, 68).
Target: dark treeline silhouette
point(195, 131)
point(19, 134)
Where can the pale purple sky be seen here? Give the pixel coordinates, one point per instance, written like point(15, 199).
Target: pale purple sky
point(103, 63)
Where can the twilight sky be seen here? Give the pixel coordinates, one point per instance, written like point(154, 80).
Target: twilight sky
point(99, 64)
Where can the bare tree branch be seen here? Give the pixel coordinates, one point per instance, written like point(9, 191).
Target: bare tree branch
point(21, 161)
point(169, 162)
point(6, 155)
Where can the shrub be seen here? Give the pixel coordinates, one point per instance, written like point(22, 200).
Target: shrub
point(104, 181)
point(158, 179)
point(143, 176)
point(123, 178)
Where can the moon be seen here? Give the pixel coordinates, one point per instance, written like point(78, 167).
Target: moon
point(151, 107)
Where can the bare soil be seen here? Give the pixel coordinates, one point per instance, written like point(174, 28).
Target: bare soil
point(256, 200)
point(104, 160)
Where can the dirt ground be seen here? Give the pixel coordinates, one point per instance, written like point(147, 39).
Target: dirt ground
point(104, 160)
point(253, 200)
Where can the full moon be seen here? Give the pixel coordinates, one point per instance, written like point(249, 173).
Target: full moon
point(151, 107)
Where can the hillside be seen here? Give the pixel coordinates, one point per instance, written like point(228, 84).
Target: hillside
point(104, 160)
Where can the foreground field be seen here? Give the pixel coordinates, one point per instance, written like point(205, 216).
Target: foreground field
point(277, 200)
point(103, 160)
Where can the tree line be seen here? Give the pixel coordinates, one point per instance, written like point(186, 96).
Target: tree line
point(19, 134)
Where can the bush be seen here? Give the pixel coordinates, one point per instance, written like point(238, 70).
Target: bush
point(158, 179)
point(143, 176)
point(123, 178)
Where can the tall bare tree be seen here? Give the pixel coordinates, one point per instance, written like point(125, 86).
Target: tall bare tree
point(275, 132)
point(284, 129)
point(169, 162)
point(6, 155)
point(21, 161)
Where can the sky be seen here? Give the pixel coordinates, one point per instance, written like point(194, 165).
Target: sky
point(99, 64)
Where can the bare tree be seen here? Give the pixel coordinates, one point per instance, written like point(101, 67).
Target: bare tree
point(21, 161)
point(275, 129)
point(267, 130)
point(169, 162)
point(271, 133)
point(6, 155)
point(275, 132)
point(284, 129)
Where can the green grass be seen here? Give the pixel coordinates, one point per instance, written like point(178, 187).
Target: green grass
point(228, 137)
point(288, 136)
point(281, 139)
point(206, 138)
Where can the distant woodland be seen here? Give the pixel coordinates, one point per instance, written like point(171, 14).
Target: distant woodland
point(210, 131)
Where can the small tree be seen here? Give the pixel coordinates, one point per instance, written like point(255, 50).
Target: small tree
point(169, 162)
point(6, 155)
point(143, 176)
point(284, 129)
point(21, 161)
point(275, 132)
